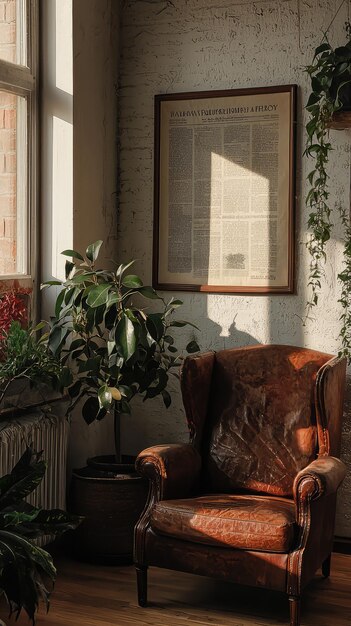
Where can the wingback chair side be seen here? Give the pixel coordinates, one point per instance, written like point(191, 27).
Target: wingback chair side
point(242, 388)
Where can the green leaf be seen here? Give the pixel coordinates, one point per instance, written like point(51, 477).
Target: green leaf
point(341, 68)
point(132, 281)
point(77, 343)
point(312, 99)
point(130, 313)
point(39, 326)
point(311, 127)
point(92, 251)
point(68, 268)
point(149, 292)
point(69, 296)
point(110, 347)
point(162, 381)
point(166, 398)
point(90, 365)
point(316, 86)
point(174, 304)
point(123, 267)
point(172, 349)
point(125, 337)
point(311, 176)
point(59, 301)
point(343, 51)
point(73, 254)
point(322, 48)
point(23, 565)
point(53, 522)
point(101, 414)
point(126, 391)
point(181, 323)
point(105, 397)
point(90, 410)
point(98, 295)
point(155, 326)
point(125, 408)
point(15, 518)
point(83, 277)
point(192, 347)
point(57, 338)
point(74, 390)
point(113, 298)
point(38, 555)
point(66, 377)
point(23, 483)
point(99, 316)
point(169, 339)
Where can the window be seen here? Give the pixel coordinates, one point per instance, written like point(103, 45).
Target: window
point(18, 144)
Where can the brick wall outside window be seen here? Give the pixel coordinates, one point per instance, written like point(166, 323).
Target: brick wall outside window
point(8, 109)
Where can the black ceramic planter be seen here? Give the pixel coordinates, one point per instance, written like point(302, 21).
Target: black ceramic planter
point(111, 498)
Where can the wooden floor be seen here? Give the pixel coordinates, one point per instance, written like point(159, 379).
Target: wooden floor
point(87, 595)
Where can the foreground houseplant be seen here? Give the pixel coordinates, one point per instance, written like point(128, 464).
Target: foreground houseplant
point(116, 348)
point(25, 568)
point(330, 74)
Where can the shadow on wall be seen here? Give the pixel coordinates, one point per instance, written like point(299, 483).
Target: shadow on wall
point(223, 319)
point(239, 337)
point(213, 336)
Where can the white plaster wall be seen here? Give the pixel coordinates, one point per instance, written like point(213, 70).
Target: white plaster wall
point(95, 70)
point(186, 45)
point(79, 183)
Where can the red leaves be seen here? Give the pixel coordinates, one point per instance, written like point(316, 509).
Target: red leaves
point(13, 307)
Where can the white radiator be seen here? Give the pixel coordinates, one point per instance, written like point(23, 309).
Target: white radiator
point(46, 429)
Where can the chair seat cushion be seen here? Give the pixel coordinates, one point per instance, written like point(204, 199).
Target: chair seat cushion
point(245, 522)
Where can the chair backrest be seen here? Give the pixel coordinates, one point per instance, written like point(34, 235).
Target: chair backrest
point(257, 416)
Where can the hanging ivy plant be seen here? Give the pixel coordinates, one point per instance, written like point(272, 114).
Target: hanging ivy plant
point(330, 74)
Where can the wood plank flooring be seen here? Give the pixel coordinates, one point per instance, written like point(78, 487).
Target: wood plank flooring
point(88, 595)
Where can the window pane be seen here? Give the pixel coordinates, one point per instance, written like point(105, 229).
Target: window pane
point(13, 184)
point(13, 31)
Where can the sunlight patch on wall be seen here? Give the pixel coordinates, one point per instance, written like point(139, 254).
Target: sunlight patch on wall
point(64, 54)
point(62, 193)
point(235, 196)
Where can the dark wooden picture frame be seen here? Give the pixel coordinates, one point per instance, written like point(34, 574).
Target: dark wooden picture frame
point(269, 115)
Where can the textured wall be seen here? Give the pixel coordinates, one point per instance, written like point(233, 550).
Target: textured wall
point(95, 68)
point(79, 175)
point(183, 45)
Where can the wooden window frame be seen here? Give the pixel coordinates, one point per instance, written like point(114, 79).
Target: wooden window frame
point(22, 80)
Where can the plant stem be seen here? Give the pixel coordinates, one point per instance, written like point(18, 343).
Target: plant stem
point(117, 434)
point(11, 380)
point(335, 16)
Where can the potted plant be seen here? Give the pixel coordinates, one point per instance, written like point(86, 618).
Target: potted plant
point(330, 98)
point(25, 568)
point(116, 348)
point(29, 372)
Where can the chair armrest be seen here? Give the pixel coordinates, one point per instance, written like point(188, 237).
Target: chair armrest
point(320, 478)
point(173, 468)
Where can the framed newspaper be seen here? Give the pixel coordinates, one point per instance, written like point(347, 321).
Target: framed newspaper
point(225, 190)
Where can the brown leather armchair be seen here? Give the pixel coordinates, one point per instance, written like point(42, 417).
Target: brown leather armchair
point(251, 498)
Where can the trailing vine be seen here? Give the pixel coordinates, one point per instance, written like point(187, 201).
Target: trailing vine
point(330, 74)
point(345, 279)
point(319, 221)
